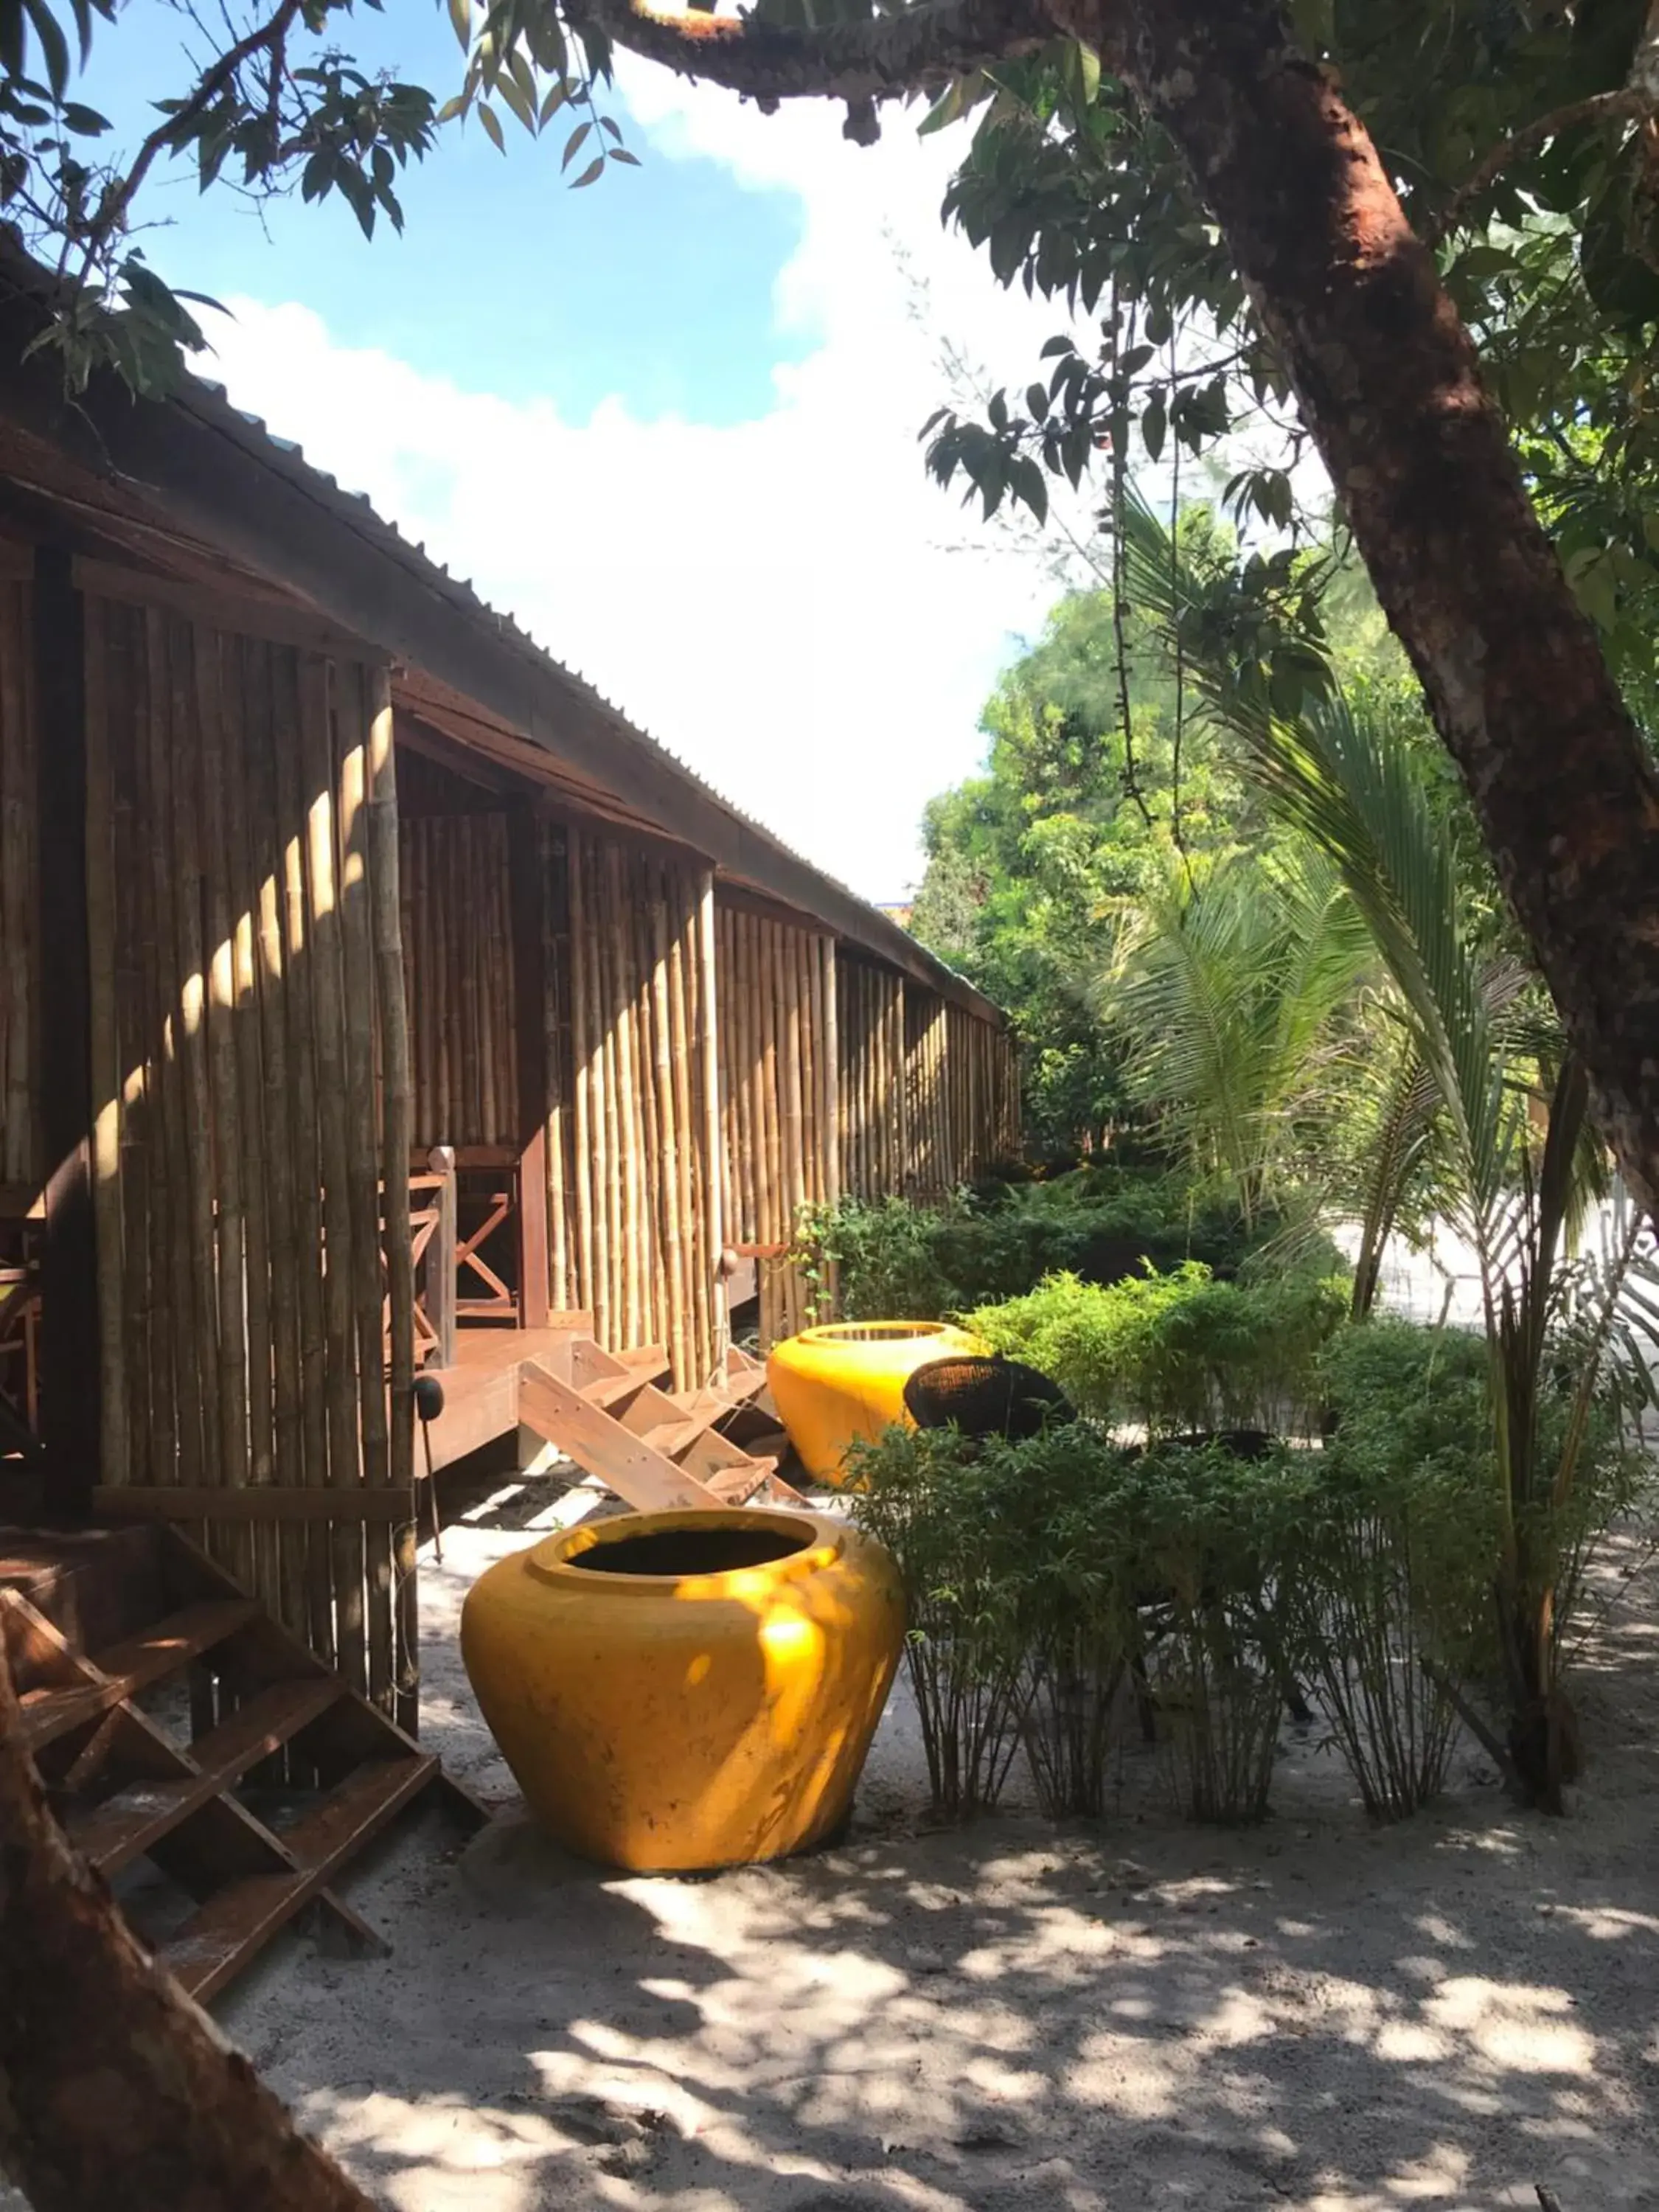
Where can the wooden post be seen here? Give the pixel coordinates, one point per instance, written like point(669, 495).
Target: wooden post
point(527, 894)
point(439, 1262)
point(70, 1419)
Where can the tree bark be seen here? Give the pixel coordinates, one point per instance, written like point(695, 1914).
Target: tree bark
point(115, 2090)
point(1390, 389)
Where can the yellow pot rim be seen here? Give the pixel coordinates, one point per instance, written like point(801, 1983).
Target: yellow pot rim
point(554, 1559)
point(877, 1332)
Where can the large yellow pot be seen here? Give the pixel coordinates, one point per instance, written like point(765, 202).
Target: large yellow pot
point(675, 1691)
point(832, 1384)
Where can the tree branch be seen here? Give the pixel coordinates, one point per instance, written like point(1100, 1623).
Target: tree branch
point(881, 58)
point(112, 209)
point(1637, 98)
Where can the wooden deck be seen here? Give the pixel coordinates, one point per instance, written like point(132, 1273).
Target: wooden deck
point(481, 1390)
point(606, 1412)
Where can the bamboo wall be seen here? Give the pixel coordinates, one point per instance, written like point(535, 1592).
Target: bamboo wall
point(19, 1154)
point(982, 1089)
point(458, 954)
point(251, 1086)
point(926, 1038)
point(635, 1169)
point(779, 1017)
point(875, 1135)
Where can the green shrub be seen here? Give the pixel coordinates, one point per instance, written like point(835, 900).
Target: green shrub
point(1408, 1534)
point(1177, 1351)
point(896, 1260)
point(955, 1523)
point(1216, 1543)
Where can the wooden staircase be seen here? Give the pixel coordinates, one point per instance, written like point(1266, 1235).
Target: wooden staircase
point(658, 1450)
point(206, 1740)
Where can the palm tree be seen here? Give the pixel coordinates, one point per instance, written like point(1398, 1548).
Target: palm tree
point(1225, 983)
point(1484, 1073)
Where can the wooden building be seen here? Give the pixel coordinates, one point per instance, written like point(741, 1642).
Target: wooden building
point(367, 984)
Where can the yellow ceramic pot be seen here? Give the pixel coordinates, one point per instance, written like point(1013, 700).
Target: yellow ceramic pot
point(832, 1384)
point(675, 1691)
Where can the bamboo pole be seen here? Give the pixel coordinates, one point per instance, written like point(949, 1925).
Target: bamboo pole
point(18, 803)
point(668, 1132)
point(624, 1166)
point(396, 1136)
point(147, 1354)
point(196, 1118)
point(647, 1136)
point(739, 1087)
point(554, 880)
point(221, 1140)
point(363, 1160)
point(304, 1124)
point(248, 1136)
point(105, 1054)
point(328, 1009)
point(171, 1235)
point(582, 1159)
point(611, 1165)
point(603, 1152)
point(713, 1136)
point(650, 1130)
point(264, 831)
point(682, 958)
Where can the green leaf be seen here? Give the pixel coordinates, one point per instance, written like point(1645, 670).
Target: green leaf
point(1154, 422)
point(518, 106)
point(594, 170)
point(573, 144)
point(54, 47)
point(492, 128)
point(1088, 69)
point(621, 154)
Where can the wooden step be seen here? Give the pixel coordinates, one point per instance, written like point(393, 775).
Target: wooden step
point(568, 1420)
point(137, 1817)
point(243, 1916)
point(136, 1664)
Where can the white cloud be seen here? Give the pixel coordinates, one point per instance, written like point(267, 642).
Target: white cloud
point(787, 603)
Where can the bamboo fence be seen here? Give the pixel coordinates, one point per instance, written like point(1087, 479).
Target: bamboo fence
point(875, 1131)
point(775, 987)
point(20, 967)
point(459, 982)
point(634, 1185)
point(251, 1102)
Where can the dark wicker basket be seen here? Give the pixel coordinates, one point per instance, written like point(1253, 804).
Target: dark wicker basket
point(985, 1398)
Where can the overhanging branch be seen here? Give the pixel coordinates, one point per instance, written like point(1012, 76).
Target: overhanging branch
point(880, 58)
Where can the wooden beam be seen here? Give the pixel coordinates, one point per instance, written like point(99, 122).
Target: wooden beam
point(69, 1399)
point(239, 612)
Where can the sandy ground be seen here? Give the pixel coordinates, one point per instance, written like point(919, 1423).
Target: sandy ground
point(1313, 2014)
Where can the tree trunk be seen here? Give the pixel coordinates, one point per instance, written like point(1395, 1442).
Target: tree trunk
point(1390, 390)
point(115, 2090)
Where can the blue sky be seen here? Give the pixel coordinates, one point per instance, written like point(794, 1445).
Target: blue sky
point(670, 420)
point(656, 286)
